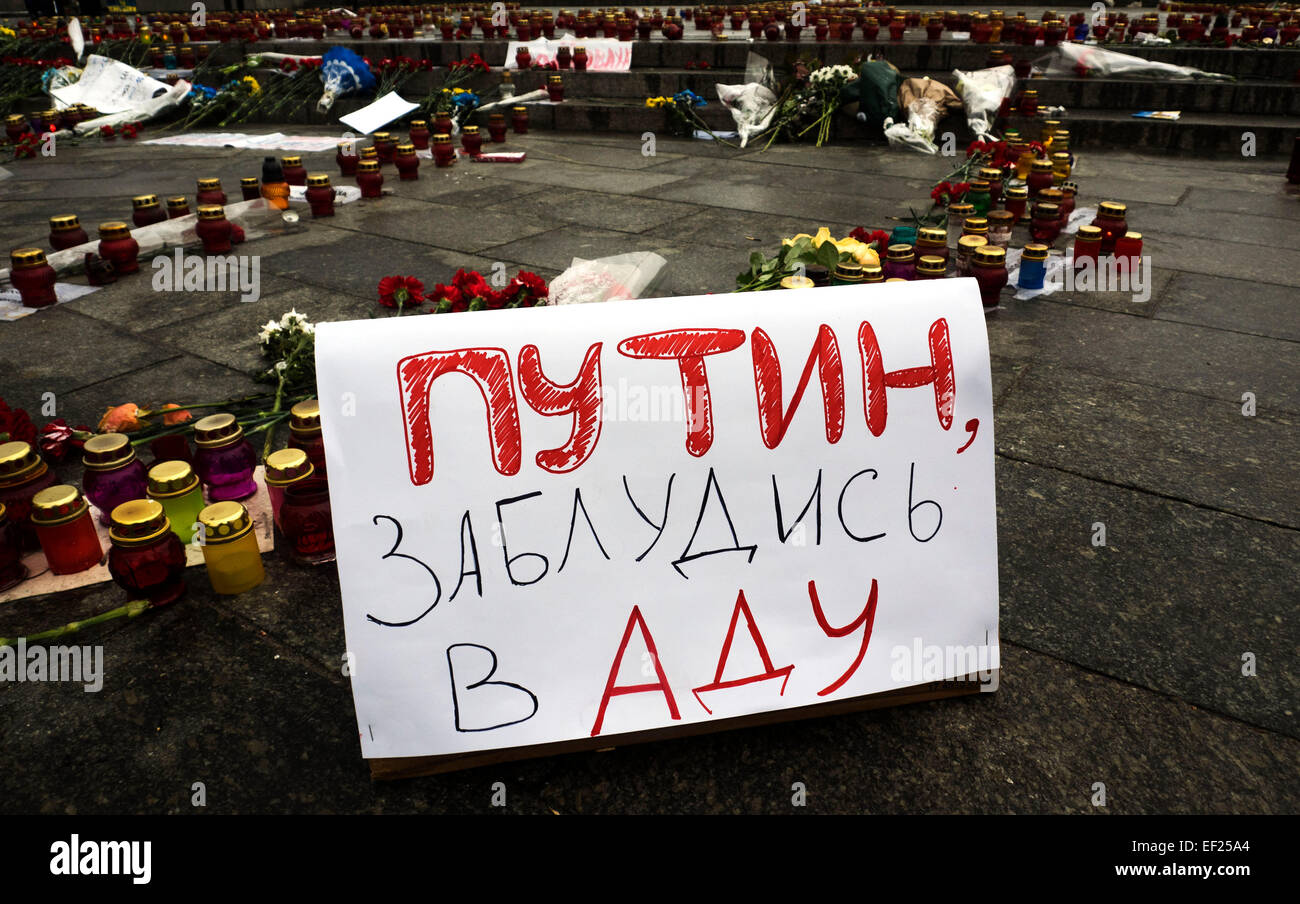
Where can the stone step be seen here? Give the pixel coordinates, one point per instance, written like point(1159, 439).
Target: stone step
point(1128, 95)
point(919, 55)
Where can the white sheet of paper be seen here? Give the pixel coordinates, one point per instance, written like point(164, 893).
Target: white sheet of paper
point(379, 114)
point(489, 597)
point(109, 86)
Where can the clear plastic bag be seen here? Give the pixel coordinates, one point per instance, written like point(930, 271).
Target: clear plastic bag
point(752, 106)
point(982, 92)
point(607, 278)
point(1066, 58)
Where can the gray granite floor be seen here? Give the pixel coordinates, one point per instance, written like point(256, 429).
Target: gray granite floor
point(1122, 664)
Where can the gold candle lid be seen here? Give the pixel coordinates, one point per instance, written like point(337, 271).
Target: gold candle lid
point(419, 123)
point(931, 263)
point(368, 166)
point(145, 201)
point(212, 212)
point(496, 116)
point(848, 270)
point(990, 173)
point(470, 130)
point(178, 201)
point(19, 462)
point(107, 451)
point(1047, 209)
point(15, 119)
point(1035, 252)
point(171, 478)
point(873, 273)
point(961, 210)
point(1042, 166)
point(319, 180)
point(975, 225)
point(217, 430)
point(224, 522)
point(138, 522)
point(932, 235)
point(287, 466)
point(1000, 217)
point(556, 79)
point(797, 282)
point(520, 108)
point(1112, 208)
point(979, 185)
point(113, 230)
point(990, 255)
point(381, 136)
point(369, 154)
point(248, 182)
point(442, 139)
point(26, 258)
point(64, 222)
point(1090, 233)
point(209, 185)
point(291, 161)
point(1018, 193)
point(968, 243)
point(1061, 157)
point(58, 504)
point(406, 149)
point(900, 252)
point(305, 417)
point(348, 146)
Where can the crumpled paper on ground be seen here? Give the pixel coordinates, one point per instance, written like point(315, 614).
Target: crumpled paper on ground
point(613, 278)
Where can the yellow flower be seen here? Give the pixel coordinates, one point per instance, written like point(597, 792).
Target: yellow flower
point(7, 32)
point(862, 253)
point(251, 84)
point(460, 91)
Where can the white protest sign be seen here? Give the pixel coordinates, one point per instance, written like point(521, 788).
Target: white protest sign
point(603, 54)
point(110, 87)
point(568, 522)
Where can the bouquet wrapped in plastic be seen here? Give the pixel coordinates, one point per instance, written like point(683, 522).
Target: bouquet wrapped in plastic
point(982, 93)
point(343, 72)
point(1068, 60)
point(607, 278)
point(925, 102)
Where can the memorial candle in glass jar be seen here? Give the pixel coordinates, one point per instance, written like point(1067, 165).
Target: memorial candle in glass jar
point(305, 433)
point(113, 474)
point(214, 229)
point(900, 262)
point(65, 529)
point(210, 192)
point(250, 188)
point(990, 272)
point(471, 139)
point(1016, 201)
point(347, 158)
point(320, 195)
point(175, 486)
point(146, 210)
point(408, 165)
point(225, 459)
point(23, 474)
point(66, 232)
point(294, 172)
point(178, 206)
point(33, 277)
point(1087, 245)
point(146, 558)
point(118, 247)
point(369, 179)
point(1112, 220)
point(931, 267)
point(230, 549)
point(1033, 267)
point(12, 570)
point(932, 241)
point(419, 134)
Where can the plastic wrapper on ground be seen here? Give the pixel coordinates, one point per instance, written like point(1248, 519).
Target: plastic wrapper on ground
point(982, 92)
point(607, 278)
point(1065, 62)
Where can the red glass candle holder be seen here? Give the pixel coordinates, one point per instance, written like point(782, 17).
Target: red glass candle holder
point(146, 558)
point(1045, 224)
point(1087, 245)
point(555, 88)
point(210, 192)
point(214, 229)
point(320, 195)
point(385, 146)
point(33, 277)
point(419, 134)
point(118, 247)
point(497, 127)
point(471, 139)
point(178, 206)
point(1112, 220)
point(305, 433)
point(66, 232)
point(519, 119)
point(1128, 251)
point(146, 210)
point(12, 570)
point(580, 58)
point(347, 161)
point(408, 165)
point(442, 123)
point(443, 153)
point(369, 179)
point(61, 519)
point(990, 272)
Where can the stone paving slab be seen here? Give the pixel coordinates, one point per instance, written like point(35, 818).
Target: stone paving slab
point(1260, 309)
point(1159, 440)
point(1171, 601)
point(596, 209)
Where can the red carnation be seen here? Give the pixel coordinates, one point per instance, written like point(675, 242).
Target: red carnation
point(401, 292)
point(15, 425)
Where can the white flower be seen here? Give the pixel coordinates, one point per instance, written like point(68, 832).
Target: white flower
point(280, 366)
point(268, 331)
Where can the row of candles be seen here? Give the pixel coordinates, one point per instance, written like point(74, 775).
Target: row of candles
point(151, 514)
point(980, 229)
point(408, 22)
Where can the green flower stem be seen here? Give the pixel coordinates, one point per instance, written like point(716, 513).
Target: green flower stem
point(130, 610)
